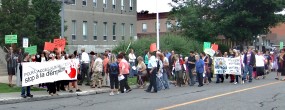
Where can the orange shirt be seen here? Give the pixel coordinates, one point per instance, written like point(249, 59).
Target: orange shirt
point(105, 62)
point(124, 67)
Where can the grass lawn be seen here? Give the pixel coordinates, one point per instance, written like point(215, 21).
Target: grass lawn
point(4, 88)
point(132, 81)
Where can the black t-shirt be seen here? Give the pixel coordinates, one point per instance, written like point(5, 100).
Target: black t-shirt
point(191, 59)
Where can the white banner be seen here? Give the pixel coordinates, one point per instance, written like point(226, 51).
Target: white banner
point(44, 72)
point(227, 65)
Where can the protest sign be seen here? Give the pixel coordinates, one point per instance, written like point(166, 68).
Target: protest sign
point(10, 39)
point(49, 46)
point(32, 50)
point(215, 47)
point(51, 71)
point(59, 44)
point(209, 51)
point(281, 45)
point(227, 65)
point(25, 42)
point(207, 45)
point(152, 47)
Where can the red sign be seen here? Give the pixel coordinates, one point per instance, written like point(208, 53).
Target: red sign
point(49, 46)
point(59, 44)
point(152, 47)
point(215, 47)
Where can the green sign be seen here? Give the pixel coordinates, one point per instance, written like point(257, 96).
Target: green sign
point(281, 45)
point(207, 45)
point(10, 39)
point(32, 50)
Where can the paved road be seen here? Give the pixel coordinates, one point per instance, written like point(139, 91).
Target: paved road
point(267, 94)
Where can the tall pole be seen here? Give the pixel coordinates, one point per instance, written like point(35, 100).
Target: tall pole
point(157, 26)
point(62, 19)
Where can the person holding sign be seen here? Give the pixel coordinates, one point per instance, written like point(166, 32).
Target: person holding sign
point(11, 60)
point(28, 88)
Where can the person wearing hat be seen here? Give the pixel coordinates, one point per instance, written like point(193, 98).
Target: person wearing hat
point(28, 88)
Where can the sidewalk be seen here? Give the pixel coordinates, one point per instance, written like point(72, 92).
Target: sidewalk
point(15, 97)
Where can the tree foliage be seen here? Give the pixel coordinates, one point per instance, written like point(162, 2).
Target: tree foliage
point(236, 19)
point(179, 44)
point(37, 20)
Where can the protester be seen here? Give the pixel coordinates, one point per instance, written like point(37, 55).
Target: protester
point(249, 62)
point(232, 76)
point(165, 67)
point(205, 58)
point(268, 62)
point(171, 63)
point(85, 60)
point(11, 60)
point(52, 85)
point(97, 72)
point(178, 71)
point(220, 77)
point(142, 72)
point(113, 68)
point(281, 66)
point(191, 66)
point(159, 75)
point(152, 65)
point(106, 78)
point(260, 61)
point(76, 65)
point(124, 68)
point(28, 88)
point(200, 66)
point(132, 61)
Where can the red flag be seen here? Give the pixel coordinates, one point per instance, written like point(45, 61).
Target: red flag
point(215, 47)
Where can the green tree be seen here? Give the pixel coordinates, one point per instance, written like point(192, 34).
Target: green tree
point(238, 20)
point(16, 18)
point(39, 20)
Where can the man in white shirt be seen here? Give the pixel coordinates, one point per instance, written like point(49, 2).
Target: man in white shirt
point(85, 60)
point(132, 61)
point(152, 65)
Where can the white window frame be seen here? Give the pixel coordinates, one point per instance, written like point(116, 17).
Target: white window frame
point(105, 3)
point(95, 24)
point(123, 31)
point(73, 29)
point(114, 31)
point(122, 5)
point(84, 30)
point(144, 27)
point(114, 4)
point(131, 30)
point(105, 31)
point(95, 3)
point(131, 5)
point(85, 2)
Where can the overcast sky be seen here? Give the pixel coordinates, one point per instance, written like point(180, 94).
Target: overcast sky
point(150, 5)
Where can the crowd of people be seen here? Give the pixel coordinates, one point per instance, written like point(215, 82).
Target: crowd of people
point(158, 68)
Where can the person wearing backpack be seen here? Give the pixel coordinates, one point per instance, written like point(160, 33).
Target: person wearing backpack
point(113, 68)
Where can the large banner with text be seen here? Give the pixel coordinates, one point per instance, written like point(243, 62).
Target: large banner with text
point(45, 72)
point(227, 66)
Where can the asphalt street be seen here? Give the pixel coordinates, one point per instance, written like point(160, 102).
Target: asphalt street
point(264, 94)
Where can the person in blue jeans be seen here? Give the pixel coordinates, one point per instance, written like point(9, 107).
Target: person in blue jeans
point(200, 69)
point(165, 63)
point(132, 61)
point(28, 88)
point(249, 62)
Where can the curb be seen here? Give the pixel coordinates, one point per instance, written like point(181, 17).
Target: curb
point(61, 95)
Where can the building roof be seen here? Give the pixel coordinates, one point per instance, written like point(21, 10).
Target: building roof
point(147, 16)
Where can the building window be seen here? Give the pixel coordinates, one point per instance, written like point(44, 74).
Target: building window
point(105, 31)
point(114, 4)
point(144, 27)
point(105, 3)
point(84, 2)
point(131, 5)
point(168, 25)
point(123, 31)
point(95, 31)
point(131, 30)
point(95, 3)
point(84, 30)
point(114, 31)
point(73, 29)
point(122, 5)
point(71, 2)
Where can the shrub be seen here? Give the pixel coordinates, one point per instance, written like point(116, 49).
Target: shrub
point(179, 44)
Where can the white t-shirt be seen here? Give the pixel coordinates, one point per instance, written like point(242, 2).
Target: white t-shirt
point(259, 60)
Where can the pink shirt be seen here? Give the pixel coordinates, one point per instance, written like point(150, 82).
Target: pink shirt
point(124, 67)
